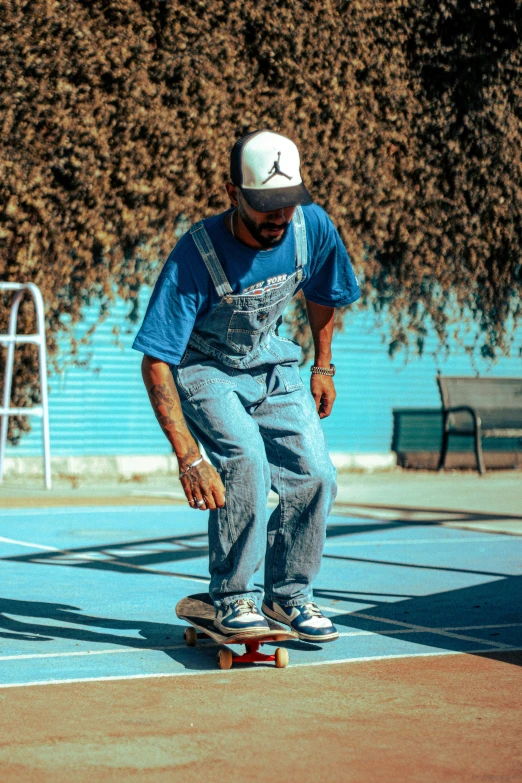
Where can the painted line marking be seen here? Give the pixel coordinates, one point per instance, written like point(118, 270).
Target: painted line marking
point(27, 544)
point(76, 654)
point(61, 510)
point(348, 559)
point(423, 629)
point(98, 559)
point(210, 643)
point(410, 627)
point(401, 631)
point(123, 677)
point(410, 541)
point(32, 545)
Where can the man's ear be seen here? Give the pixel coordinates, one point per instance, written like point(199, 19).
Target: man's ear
point(232, 193)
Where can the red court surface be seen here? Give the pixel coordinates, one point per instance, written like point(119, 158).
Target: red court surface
point(427, 720)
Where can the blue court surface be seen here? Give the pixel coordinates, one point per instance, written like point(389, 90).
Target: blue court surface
point(89, 593)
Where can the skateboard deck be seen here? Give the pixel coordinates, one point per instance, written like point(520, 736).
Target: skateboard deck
point(199, 611)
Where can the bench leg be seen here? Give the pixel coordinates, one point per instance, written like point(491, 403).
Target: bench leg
point(478, 451)
point(444, 447)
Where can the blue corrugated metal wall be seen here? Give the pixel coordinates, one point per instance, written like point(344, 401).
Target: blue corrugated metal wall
point(105, 410)
point(370, 384)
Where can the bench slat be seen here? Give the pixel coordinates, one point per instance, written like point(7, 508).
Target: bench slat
point(501, 433)
point(488, 393)
point(491, 418)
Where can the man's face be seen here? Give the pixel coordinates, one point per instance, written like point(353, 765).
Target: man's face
point(267, 228)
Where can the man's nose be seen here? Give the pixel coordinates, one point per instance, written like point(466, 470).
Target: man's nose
point(278, 216)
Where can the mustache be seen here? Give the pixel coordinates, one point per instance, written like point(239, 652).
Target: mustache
point(273, 226)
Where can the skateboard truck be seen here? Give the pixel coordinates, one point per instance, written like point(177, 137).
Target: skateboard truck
point(252, 655)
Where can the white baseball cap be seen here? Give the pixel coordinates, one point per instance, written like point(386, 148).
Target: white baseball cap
point(266, 168)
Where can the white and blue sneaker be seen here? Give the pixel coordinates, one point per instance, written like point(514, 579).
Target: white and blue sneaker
point(241, 616)
point(306, 620)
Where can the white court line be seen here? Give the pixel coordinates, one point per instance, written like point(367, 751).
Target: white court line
point(31, 545)
point(84, 653)
point(409, 541)
point(27, 544)
point(210, 643)
point(418, 628)
point(98, 559)
point(401, 631)
point(62, 510)
point(438, 653)
point(421, 628)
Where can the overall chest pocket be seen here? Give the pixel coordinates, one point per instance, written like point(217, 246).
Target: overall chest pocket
point(246, 327)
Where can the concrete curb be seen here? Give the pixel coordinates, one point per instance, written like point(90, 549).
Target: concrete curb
point(149, 464)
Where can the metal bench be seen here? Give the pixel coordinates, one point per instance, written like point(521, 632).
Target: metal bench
point(482, 408)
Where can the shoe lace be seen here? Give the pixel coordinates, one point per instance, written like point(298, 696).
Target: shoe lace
point(312, 609)
point(244, 606)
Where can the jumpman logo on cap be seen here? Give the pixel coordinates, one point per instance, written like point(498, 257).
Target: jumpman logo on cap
point(276, 170)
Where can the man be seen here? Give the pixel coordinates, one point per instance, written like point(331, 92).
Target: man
point(217, 372)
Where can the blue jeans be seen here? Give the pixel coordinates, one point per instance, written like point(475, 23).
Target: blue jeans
point(260, 430)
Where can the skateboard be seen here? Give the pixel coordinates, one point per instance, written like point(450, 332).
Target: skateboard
point(199, 611)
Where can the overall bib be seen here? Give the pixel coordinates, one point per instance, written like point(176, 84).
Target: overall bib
point(244, 400)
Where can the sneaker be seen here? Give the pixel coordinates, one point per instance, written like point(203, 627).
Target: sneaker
point(306, 620)
point(241, 616)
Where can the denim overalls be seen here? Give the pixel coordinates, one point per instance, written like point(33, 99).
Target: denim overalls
point(244, 400)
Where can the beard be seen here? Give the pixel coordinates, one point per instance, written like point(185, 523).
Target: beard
point(255, 229)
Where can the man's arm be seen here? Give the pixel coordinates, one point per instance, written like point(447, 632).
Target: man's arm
point(201, 482)
point(321, 320)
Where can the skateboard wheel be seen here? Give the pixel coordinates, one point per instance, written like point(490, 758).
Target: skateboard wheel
point(225, 659)
point(191, 637)
point(281, 658)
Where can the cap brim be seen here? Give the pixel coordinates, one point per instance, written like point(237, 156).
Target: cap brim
point(276, 198)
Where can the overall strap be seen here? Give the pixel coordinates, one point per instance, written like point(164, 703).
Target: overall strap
point(209, 256)
point(301, 247)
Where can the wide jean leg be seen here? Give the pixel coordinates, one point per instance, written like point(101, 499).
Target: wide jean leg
point(303, 476)
point(237, 532)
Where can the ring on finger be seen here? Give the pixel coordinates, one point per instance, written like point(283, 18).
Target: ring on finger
point(200, 503)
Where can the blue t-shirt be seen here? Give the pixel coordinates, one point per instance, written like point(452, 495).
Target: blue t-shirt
point(184, 293)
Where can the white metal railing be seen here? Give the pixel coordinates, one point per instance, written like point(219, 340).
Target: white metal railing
point(11, 339)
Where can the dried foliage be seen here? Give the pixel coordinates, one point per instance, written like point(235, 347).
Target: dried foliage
point(118, 116)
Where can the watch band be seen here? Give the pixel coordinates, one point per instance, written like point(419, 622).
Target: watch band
point(323, 370)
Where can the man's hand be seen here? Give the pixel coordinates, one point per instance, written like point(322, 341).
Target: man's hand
point(321, 320)
point(203, 487)
point(324, 394)
point(202, 484)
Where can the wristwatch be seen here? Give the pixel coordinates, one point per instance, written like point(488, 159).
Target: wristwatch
point(323, 370)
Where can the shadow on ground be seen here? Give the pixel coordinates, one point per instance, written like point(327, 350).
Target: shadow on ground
point(418, 515)
point(467, 610)
point(461, 620)
point(165, 637)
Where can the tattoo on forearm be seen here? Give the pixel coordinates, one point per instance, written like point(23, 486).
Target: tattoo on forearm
point(167, 408)
point(163, 402)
